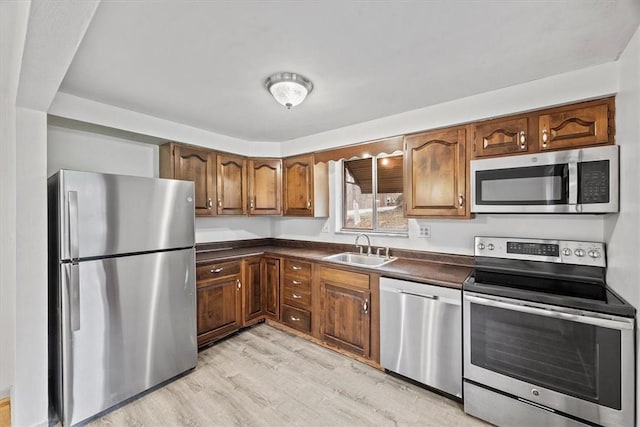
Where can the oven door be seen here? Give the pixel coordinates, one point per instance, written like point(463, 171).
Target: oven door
point(567, 360)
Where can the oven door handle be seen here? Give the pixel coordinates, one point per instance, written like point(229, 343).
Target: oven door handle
point(553, 311)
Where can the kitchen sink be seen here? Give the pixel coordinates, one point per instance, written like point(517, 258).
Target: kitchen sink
point(354, 258)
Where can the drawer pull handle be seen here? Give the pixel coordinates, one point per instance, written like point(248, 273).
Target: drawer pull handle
point(545, 137)
point(296, 267)
point(523, 140)
point(217, 270)
point(365, 306)
point(210, 205)
point(296, 282)
point(294, 318)
point(296, 296)
point(238, 284)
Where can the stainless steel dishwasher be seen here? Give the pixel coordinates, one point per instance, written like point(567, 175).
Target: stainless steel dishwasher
point(421, 333)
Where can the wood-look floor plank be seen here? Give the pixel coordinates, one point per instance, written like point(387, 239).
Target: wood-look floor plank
point(267, 377)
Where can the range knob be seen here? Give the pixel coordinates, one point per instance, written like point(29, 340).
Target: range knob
point(579, 252)
point(566, 252)
point(481, 246)
point(594, 253)
point(490, 246)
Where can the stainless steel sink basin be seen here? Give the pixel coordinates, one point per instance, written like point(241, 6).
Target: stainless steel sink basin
point(353, 258)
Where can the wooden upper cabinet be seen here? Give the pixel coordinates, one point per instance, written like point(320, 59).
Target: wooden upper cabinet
point(305, 187)
point(232, 185)
point(265, 186)
point(576, 126)
point(435, 178)
point(500, 137)
point(192, 164)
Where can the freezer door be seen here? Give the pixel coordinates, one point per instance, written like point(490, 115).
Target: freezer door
point(136, 328)
point(102, 215)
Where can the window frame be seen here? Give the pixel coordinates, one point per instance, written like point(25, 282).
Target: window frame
point(374, 191)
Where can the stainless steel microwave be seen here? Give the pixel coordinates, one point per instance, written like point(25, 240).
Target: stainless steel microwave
point(573, 181)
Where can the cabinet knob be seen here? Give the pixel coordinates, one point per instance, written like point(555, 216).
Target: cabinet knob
point(296, 267)
point(523, 140)
point(238, 284)
point(460, 200)
point(365, 306)
point(219, 203)
point(251, 204)
point(296, 296)
point(294, 318)
point(210, 203)
point(309, 204)
point(545, 137)
point(296, 282)
point(217, 270)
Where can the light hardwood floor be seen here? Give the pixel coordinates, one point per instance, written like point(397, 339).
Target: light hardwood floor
point(266, 377)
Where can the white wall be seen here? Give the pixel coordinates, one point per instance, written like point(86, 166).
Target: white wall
point(80, 150)
point(456, 236)
point(622, 231)
point(69, 148)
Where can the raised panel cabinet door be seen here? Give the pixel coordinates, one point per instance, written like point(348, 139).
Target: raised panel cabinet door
point(271, 280)
point(500, 137)
point(265, 186)
point(575, 128)
point(346, 319)
point(298, 186)
point(253, 289)
point(219, 309)
point(197, 166)
point(435, 173)
point(232, 185)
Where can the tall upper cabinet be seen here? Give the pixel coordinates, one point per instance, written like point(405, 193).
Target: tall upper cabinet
point(305, 187)
point(265, 186)
point(192, 164)
point(232, 184)
point(435, 173)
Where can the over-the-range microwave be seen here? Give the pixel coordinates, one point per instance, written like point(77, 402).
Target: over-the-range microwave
point(573, 181)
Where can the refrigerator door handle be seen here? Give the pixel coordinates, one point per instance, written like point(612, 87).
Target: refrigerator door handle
point(74, 296)
point(74, 250)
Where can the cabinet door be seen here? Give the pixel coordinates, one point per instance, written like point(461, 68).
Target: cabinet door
point(232, 186)
point(198, 166)
point(253, 289)
point(346, 321)
point(500, 137)
point(298, 185)
point(435, 173)
point(271, 280)
point(575, 127)
point(265, 186)
point(219, 309)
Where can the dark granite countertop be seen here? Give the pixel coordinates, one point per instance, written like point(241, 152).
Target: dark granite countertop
point(423, 267)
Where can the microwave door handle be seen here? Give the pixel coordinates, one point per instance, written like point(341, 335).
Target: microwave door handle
point(573, 183)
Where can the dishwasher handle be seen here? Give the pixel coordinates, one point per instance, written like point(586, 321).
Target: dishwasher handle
point(400, 291)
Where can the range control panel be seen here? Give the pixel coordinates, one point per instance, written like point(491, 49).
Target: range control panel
point(559, 251)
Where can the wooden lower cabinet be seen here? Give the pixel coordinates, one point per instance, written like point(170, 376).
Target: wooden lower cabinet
point(254, 290)
point(219, 300)
point(345, 305)
point(271, 280)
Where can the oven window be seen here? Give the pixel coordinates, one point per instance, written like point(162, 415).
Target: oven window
point(534, 185)
point(571, 358)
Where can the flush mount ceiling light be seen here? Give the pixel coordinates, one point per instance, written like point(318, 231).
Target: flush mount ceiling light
point(289, 89)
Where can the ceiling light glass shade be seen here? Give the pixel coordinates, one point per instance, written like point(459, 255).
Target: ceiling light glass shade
point(289, 89)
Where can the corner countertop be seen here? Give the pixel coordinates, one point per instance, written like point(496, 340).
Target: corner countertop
point(439, 269)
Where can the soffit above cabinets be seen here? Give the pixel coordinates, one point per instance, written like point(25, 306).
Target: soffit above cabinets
point(203, 64)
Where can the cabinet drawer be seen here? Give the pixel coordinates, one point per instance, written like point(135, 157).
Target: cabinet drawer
point(296, 283)
point(296, 297)
point(215, 271)
point(296, 318)
point(349, 278)
point(297, 268)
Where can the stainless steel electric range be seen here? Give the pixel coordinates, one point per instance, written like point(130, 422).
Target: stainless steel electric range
point(546, 342)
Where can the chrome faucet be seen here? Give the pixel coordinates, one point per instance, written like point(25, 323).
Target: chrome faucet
point(368, 243)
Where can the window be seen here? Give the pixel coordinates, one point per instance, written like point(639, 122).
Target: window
point(372, 190)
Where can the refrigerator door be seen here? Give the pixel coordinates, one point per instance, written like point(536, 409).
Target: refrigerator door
point(104, 215)
point(136, 328)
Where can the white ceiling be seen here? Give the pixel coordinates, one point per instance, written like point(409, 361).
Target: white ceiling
point(204, 63)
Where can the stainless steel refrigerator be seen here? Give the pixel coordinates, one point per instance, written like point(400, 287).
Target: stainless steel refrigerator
point(121, 288)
